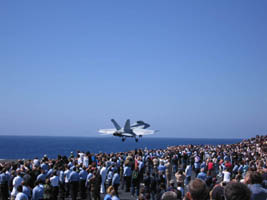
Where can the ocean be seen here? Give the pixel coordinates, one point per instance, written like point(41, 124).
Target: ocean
point(29, 147)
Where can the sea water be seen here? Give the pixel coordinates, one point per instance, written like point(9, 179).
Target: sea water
point(29, 147)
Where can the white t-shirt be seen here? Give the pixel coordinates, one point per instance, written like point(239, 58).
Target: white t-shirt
point(85, 161)
point(226, 176)
point(16, 182)
point(188, 170)
point(67, 175)
point(103, 173)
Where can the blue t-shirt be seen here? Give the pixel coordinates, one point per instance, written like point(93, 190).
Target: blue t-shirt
point(107, 197)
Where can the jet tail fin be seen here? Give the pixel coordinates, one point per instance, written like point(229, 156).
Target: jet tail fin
point(127, 126)
point(117, 126)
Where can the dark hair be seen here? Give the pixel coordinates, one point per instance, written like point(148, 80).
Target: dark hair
point(256, 178)
point(198, 189)
point(19, 188)
point(218, 193)
point(237, 191)
point(224, 183)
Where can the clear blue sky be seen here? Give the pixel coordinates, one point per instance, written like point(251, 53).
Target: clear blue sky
point(189, 68)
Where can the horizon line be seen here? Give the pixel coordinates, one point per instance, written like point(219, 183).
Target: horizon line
point(149, 137)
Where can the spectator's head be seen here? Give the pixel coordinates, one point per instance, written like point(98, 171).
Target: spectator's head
point(110, 190)
point(236, 191)
point(248, 177)
point(47, 181)
point(170, 195)
point(197, 190)
point(217, 193)
point(19, 188)
point(256, 178)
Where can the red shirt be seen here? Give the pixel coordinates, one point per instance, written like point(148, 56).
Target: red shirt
point(228, 165)
point(210, 165)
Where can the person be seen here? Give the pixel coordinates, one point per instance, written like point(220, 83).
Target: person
point(180, 177)
point(147, 181)
point(135, 182)
point(202, 175)
point(67, 180)
point(188, 173)
point(254, 180)
point(42, 176)
point(26, 189)
point(168, 171)
point(197, 190)
point(155, 161)
point(161, 190)
point(210, 181)
point(161, 167)
point(180, 188)
point(74, 183)
point(61, 178)
point(141, 166)
point(153, 185)
point(103, 173)
point(169, 195)
point(174, 162)
point(108, 196)
point(38, 191)
point(16, 182)
point(95, 183)
point(48, 190)
point(114, 195)
point(210, 166)
point(3, 184)
point(226, 175)
point(116, 181)
point(237, 191)
point(217, 193)
point(83, 175)
point(174, 189)
point(88, 183)
point(54, 181)
point(127, 174)
point(109, 177)
point(20, 195)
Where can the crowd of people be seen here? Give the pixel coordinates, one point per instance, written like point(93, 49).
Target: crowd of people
point(191, 172)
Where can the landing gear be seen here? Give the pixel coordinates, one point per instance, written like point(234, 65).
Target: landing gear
point(123, 139)
point(136, 139)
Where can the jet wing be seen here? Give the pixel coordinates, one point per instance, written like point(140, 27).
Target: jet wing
point(107, 131)
point(128, 134)
point(143, 131)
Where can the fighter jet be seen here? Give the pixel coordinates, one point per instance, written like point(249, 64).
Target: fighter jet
point(136, 130)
